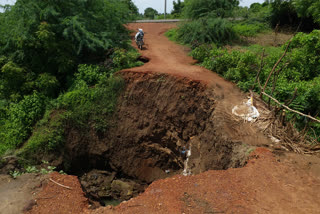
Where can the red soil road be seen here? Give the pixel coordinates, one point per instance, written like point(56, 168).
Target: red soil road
point(167, 57)
point(267, 184)
point(170, 58)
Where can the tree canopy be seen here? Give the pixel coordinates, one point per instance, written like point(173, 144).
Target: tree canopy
point(177, 8)
point(308, 8)
point(150, 13)
point(46, 40)
point(195, 9)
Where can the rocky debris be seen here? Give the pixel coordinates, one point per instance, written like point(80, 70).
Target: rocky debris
point(101, 185)
point(9, 164)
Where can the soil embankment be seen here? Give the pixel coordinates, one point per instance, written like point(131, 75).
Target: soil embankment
point(159, 119)
point(170, 107)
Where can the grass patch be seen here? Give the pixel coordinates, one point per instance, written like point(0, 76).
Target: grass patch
point(172, 34)
point(249, 30)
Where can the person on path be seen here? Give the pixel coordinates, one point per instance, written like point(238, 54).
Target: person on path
point(139, 35)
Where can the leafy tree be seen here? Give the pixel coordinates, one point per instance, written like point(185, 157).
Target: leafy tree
point(54, 36)
point(134, 12)
point(308, 8)
point(255, 7)
point(195, 9)
point(293, 14)
point(177, 8)
point(150, 13)
point(283, 13)
point(41, 45)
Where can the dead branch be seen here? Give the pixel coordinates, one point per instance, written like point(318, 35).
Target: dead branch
point(274, 67)
point(289, 109)
point(260, 69)
point(67, 187)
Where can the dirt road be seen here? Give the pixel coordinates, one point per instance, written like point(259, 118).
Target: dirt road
point(267, 184)
point(170, 58)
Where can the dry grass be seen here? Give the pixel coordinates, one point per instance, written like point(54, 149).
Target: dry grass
point(269, 38)
point(284, 136)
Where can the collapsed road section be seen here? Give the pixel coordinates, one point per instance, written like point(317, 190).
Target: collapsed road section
point(159, 121)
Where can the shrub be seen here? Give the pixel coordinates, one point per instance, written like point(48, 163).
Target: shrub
point(301, 72)
point(81, 108)
point(21, 117)
point(122, 59)
point(47, 84)
point(91, 74)
point(196, 9)
point(201, 52)
point(172, 34)
point(206, 30)
point(235, 66)
point(48, 135)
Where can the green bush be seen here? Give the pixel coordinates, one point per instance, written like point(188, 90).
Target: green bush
point(206, 30)
point(43, 42)
point(305, 56)
point(123, 59)
point(201, 52)
point(249, 30)
point(301, 72)
point(235, 66)
point(81, 108)
point(48, 136)
point(47, 84)
point(172, 34)
point(21, 117)
point(91, 74)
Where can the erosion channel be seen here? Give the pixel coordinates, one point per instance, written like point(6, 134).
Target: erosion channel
point(164, 125)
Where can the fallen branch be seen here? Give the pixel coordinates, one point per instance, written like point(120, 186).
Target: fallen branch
point(289, 109)
point(60, 184)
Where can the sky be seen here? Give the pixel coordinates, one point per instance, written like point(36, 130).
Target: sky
point(159, 4)
point(155, 4)
point(3, 2)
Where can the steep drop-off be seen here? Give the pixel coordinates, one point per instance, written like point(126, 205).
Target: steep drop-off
point(163, 125)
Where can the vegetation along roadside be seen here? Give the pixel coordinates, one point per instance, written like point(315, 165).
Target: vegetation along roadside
point(220, 35)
